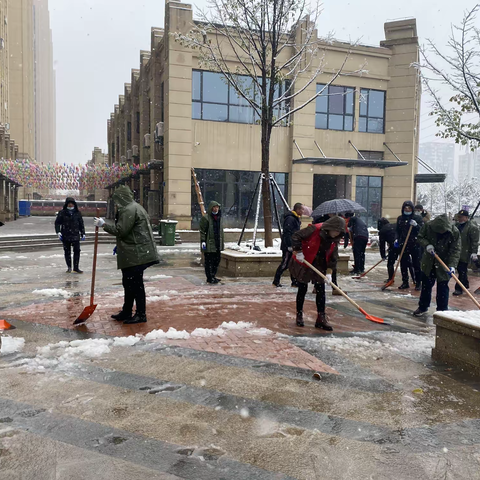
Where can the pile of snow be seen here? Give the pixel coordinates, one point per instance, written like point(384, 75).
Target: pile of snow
point(156, 277)
point(52, 292)
point(156, 298)
point(163, 251)
point(126, 341)
point(11, 344)
point(468, 318)
point(247, 248)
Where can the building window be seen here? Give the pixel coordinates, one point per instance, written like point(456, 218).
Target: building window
point(137, 126)
point(233, 189)
point(334, 108)
point(370, 155)
point(129, 131)
point(215, 100)
point(369, 195)
point(372, 111)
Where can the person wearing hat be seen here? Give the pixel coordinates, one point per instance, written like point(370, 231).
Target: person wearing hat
point(421, 212)
point(469, 233)
point(318, 244)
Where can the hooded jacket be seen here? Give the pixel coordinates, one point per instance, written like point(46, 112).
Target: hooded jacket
point(208, 226)
point(135, 242)
point(291, 224)
point(469, 234)
point(403, 225)
point(386, 235)
point(445, 238)
point(70, 224)
point(315, 242)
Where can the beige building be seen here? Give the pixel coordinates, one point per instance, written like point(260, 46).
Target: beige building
point(98, 158)
point(360, 141)
point(4, 64)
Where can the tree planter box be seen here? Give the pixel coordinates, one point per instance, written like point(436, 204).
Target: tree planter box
point(238, 264)
point(457, 342)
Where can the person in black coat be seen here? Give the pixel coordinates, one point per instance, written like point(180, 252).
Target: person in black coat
point(386, 236)
point(412, 253)
point(291, 224)
point(70, 229)
point(358, 233)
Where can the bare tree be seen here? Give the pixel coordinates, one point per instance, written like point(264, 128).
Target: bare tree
point(269, 52)
point(457, 70)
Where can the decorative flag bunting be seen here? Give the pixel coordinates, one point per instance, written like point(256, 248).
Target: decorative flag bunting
point(29, 173)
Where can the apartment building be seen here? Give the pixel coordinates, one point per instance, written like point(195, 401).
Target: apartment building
point(359, 140)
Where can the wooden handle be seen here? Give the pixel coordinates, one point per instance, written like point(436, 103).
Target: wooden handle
point(332, 284)
point(403, 250)
point(370, 269)
point(442, 263)
point(94, 267)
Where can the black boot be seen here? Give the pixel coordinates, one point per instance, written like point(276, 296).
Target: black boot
point(77, 270)
point(419, 312)
point(404, 286)
point(322, 322)
point(418, 287)
point(137, 318)
point(458, 292)
point(122, 316)
point(300, 319)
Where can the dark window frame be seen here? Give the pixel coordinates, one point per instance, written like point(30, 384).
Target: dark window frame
point(367, 188)
point(137, 123)
point(344, 114)
point(367, 116)
point(129, 131)
point(231, 92)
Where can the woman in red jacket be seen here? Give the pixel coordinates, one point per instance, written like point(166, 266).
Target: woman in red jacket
point(318, 244)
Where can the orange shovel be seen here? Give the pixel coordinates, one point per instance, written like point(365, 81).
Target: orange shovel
point(88, 311)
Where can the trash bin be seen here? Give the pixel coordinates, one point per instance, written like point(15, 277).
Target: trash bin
point(24, 208)
point(167, 231)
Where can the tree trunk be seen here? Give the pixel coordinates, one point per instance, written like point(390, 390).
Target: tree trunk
point(267, 205)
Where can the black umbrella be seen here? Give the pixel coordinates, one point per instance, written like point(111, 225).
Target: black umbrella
point(339, 205)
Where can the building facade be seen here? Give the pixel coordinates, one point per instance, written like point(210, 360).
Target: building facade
point(358, 141)
point(98, 158)
point(440, 156)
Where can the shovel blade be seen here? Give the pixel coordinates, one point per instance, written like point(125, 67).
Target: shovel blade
point(388, 284)
point(85, 315)
point(376, 319)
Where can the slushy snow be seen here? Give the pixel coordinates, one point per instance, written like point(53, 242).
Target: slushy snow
point(11, 344)
point(52, 292)
point(156, 277)
point(470, 318)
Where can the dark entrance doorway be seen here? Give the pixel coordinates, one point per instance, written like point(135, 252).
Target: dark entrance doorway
point(328, 187)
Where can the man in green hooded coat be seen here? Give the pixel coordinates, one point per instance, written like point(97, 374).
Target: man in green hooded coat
point(439, 237)
point(136, 251)
point(212, 240)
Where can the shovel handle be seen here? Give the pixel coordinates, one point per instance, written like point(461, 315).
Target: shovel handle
point(94, 267)
point(370, 269)
point(442, 263)
point(403, 251)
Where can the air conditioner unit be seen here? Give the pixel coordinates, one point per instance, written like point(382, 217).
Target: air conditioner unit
point(123, 159)
point(129, 154)
point(146, 141)
point(159, 130)
point(135, 150)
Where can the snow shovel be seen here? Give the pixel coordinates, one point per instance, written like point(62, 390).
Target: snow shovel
point(392, 280)
point(360, 309)
point(440, 261)
point(88, 311)
point(356, 277)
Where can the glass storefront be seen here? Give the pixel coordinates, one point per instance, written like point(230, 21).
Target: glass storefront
point(369, 195)
point(233, 189)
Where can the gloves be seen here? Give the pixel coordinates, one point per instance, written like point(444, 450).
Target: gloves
point(115, 250)
point(474, 257)
point(396, 244)
point(413, 223)
point(60, 237)
point(83, 238)
point(452, 272)
point(300, 257)
point(290, 249)
point(430, 249)
point(98, 222)
point(328, 281)
point(204, 246)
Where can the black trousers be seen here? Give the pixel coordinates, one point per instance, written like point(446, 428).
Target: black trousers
point(286, 257)
point(462, 276)
point(67, 250)
point(411, 256)
point(319, 299)
point(391, 259)
point(212, 261)
point(426, 295)
point(134, 289)
point(359, 246)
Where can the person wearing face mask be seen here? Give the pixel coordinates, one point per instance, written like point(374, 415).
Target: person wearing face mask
point(318, 244)
point(412, 254)
point(212, 240)
point(469, 233)
point(70, 229)
point(421, 212)
point(439, 237)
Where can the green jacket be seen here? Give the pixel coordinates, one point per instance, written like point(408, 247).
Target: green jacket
point(135, 242)
point(447, 246)
point(207, 233)
point(470, 235)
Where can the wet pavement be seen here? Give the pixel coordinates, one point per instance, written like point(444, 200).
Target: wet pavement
point(235, 403)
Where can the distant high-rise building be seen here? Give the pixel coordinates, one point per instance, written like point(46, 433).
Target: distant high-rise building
point(4, 67)
point(469, 165)
point(440, 156)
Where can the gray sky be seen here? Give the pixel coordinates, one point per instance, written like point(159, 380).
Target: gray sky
point(98, 42)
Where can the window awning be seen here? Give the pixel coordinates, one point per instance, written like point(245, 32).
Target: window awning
point(430, 177)
point(349, 162)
